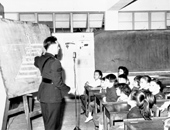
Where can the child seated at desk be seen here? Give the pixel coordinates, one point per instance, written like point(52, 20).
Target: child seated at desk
point(110, 96)
point(156, 88)
point(123, 79)
point(123, 70)
point(123, 91)
point(136, 82)
point(95, 83)
point(145, 82)
point(110, 81)
point(144, 103)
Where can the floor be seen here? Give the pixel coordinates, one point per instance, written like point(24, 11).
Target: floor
point(18, 122)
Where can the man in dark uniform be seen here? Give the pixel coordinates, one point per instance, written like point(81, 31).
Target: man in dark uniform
point(52, 89)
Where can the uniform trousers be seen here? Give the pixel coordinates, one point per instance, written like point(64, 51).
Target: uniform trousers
point(51, 113)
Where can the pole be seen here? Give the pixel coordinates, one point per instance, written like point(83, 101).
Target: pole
point(75, 85)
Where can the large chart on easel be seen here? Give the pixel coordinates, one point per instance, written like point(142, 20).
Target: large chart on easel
point(20, 42)
point(137, 50)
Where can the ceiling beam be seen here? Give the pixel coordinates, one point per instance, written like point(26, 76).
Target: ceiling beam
point(121, 4)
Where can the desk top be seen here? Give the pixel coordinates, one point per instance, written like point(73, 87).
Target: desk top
point(117, 107)
point(158, 125)
point(92, 88)
point(145, 125)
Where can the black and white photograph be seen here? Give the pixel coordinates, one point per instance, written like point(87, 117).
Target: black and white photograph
point(85, 64)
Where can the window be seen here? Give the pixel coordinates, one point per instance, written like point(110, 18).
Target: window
point(46, 19)
point(62, 20)
point(79, 20)
point(125, 21)
point(157, 20)
point(67, 21)
point(168, 20)
point(96, 20)
point(27, 17)
point(13, 16)
point(141, 20)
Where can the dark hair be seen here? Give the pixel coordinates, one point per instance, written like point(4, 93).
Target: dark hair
point(124, 88)
point(48, 41)
point(150, 98)
point(145, 101)
point(103, 78)
point(157, 81)
point(125, 70)
point(100, 72)
point(111, 77)
point(137, 79)
point(140, 97)
point(123, 76)
point(133, 94)
point(147, 78)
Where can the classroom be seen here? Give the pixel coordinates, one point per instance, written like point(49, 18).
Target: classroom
point(104, 64)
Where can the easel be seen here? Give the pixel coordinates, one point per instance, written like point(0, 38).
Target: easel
point(27, 107)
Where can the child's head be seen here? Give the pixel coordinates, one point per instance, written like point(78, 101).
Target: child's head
point(145, 101)
point(110, 80)
point(123, 70)
point(145, 82)
point(136, 82)
point(155, 86)
point(123, 89)
point(97, 74)
point(123, 79)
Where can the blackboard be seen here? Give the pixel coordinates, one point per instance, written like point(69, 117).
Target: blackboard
point(139, 51)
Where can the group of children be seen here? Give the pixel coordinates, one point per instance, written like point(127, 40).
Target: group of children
point(141, 95)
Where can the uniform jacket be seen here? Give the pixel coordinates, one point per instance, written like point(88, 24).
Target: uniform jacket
point(50, 68)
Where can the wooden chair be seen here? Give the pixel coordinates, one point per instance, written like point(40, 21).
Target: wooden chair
point(157, 123)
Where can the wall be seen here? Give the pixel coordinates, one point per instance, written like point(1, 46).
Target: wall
point(53, 5)
point(111, 20)
point(59, 5)
point(83, 45)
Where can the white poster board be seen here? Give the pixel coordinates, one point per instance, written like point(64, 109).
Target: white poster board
point(20, 42)
point(83, 45)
